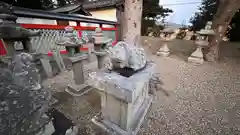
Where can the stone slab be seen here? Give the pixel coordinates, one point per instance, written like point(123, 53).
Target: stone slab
point(165, 54)
point(111, 128)
point(78, 58)
point(195, 60)
point(78, 90)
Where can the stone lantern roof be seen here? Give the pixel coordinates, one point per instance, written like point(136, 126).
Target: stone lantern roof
point(101, 4)
point(76, 8)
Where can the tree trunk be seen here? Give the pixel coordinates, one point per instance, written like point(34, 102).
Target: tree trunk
point(132, 20)
point(223, 17)
point(119, 14)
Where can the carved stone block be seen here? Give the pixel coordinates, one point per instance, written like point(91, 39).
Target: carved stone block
point(127, 97)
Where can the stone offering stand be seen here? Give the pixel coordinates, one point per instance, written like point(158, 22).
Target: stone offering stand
point(201, 42)
point(123, 89)
point(166, 36)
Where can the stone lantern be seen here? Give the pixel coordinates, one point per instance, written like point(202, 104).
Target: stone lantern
point(201, 42)
point(11, 32)
point(123, 89)
point(24, 101)
point(166, 35)
point(100, 44)
point(72, 44)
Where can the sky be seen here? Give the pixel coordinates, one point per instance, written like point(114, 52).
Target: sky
point(182, 13)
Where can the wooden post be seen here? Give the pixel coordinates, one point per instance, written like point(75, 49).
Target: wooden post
point(132, 20)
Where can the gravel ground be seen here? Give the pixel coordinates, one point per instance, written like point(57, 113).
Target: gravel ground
point(193, 99)
point(201, 100)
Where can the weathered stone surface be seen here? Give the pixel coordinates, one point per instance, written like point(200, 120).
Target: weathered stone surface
point(125, 88)
point(25, 72)
point(126, 96)
point(23, 102)
point(126, 55)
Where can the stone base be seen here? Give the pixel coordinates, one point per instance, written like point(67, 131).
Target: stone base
point(195, 60)
point(111, 128)
point(78, 90)
point(165, 54)
point(48, 130)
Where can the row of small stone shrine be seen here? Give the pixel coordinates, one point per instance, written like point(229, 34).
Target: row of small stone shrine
point(201, 42)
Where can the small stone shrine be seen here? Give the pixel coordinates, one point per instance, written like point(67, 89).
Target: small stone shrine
point(201, 42)
point(72, 44)
point(100, 44)
point(123, 89)
point(166, 35)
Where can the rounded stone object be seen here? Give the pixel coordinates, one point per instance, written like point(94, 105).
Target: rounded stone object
point(98, 30)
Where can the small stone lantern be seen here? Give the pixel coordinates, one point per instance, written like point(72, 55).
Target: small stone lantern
point(201, 42)
point(10, 32)
point(72, 44)
point(100, 44)
point(166, 35)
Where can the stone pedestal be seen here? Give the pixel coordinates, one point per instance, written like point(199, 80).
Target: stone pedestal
point(196, 56)
point(79, 87)
point(124, 100)
point(164, 51)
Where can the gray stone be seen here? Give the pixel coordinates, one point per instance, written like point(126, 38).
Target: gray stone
point(78, 88)
point(23, 99)
point(126, 96)
point(125, 55)
point(166, 35)
point(201, 42)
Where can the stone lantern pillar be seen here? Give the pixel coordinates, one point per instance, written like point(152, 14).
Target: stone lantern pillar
point(201, 42)
point(166, 35)
point(72, 44)
point(100, 44)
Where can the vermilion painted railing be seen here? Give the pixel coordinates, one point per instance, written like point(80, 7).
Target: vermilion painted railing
point(80, 30)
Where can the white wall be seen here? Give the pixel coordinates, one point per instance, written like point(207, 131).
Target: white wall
point(106, 14)
point(36, 21)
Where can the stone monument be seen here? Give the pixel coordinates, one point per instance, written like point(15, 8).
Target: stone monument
point(166, 35)
point(201, 42)
point(100, 44)
point(72, 44)
point(123, 89)
point(23, 100)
